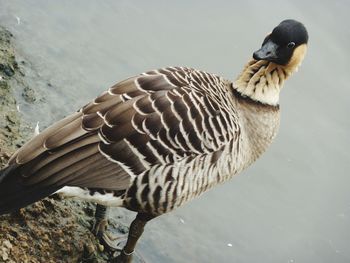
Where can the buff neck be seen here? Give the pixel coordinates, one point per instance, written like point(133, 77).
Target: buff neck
point(262, 80)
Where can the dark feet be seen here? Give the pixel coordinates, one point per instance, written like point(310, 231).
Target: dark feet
point(107, 238)
point(134, 258)
point(111, 242)
point(123, 258)
point(135, 232)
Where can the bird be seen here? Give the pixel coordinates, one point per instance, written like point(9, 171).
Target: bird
point(157, 140)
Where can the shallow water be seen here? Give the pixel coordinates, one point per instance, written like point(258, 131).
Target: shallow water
point(293, 205)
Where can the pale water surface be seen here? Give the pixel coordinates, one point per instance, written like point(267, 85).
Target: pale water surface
point(293, 205)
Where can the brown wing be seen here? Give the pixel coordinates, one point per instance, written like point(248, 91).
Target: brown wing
point(157, 117)
point(164, 115)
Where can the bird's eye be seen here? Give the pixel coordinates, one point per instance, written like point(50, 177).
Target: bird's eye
point(291, 45)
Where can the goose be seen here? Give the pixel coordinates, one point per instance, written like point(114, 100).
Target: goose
point(157, 140)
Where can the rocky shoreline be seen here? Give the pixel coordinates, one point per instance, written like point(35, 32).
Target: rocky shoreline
point(51, 230)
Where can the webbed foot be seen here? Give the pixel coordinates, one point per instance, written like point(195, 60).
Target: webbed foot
point(107, 238)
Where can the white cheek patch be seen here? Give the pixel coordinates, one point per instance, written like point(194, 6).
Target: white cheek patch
point(107, 199)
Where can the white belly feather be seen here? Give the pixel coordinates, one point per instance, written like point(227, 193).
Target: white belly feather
point(107, 199)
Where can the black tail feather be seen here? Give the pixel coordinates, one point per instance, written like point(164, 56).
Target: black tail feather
point(14, 194)
point(5, 172)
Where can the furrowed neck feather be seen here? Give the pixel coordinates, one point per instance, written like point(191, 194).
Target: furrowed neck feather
point(262, 80)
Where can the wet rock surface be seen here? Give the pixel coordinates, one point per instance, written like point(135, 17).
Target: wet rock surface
point(51, 230)
point(48, 231)
point(10, 137)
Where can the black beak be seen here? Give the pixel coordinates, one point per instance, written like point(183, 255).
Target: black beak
point(266, 52)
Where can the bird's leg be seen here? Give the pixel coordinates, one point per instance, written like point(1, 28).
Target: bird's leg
point(135, 232)
point(108, 240)
point(101, 221)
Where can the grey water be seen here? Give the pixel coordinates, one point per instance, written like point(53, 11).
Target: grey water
point(293, 204)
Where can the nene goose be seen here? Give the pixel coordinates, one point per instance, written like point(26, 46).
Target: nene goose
point(157, 140)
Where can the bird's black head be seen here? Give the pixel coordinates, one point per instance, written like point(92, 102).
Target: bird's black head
point(282, 44)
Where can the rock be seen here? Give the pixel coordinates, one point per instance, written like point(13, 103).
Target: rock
point(28, 94)
point(89, 250)
point(9, 71)
point(89, 210)
point(101, 248)
point(7, 244)
point(5, 256)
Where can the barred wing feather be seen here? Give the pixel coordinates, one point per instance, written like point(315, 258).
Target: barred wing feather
point(161, 117)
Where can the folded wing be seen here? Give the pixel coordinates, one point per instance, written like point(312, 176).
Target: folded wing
point(155, 118)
